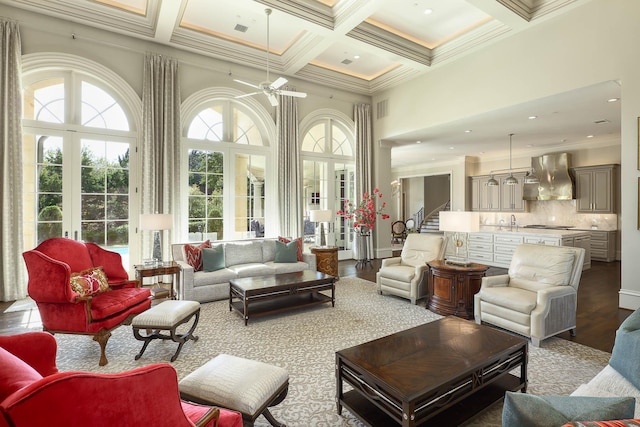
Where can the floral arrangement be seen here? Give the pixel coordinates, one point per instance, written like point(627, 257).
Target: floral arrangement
point(364, 214)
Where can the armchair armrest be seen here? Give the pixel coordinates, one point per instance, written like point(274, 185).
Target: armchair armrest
point(387, 262)
point(48, 278)
point(310, 259)
point(500, 280)
point(128, 402)
point(186, 280)
point(37, 349)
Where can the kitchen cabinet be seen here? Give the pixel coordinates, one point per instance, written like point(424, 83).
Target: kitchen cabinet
point(596, 188)
point(500, 198)
point(603, 245)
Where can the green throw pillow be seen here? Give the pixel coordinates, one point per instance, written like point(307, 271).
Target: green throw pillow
point(286, 252)
point(527, 410)
point(213, 258)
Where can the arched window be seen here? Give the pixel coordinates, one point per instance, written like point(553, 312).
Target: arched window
point(77, 143)
point(328, 172)
point(227, 150)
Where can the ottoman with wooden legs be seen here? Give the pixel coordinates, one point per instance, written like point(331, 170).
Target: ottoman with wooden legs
point(246, 386)
point(166, 316)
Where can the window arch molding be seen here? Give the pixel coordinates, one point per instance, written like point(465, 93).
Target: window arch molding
point(326, 113)
point(37, 63)
point(191, 106)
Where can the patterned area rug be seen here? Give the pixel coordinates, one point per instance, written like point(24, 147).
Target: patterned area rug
point(304, 342)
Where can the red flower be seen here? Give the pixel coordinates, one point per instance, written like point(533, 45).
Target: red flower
point(365, 213)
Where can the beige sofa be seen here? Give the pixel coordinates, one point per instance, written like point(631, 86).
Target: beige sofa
point(243, 258)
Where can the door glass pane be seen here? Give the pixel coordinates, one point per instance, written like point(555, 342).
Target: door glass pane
point(315, 193)
point(249, 196)
point(49, 187)
point(104, 193)
point(206, 187)
point(345, 190)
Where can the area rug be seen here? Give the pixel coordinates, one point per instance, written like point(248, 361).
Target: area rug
point(304, 342)
point(21, 305)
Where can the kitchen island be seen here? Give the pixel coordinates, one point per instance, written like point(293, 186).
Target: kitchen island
point(495, 247)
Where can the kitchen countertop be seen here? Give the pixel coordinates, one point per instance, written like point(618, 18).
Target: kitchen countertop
point(535, 231)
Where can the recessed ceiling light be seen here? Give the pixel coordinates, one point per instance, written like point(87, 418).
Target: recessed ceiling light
point(451, 148)
point(356, 56)
point(533, 117)
point(529, 145)
point(468, 131)
point(589, 136)
point(613, 100)
point(418, 142)
point(428, 11)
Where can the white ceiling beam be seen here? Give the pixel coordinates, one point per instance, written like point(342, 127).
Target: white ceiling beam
point(168, 19)
point(500, 12)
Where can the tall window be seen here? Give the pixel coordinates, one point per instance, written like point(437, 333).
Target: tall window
point(328, 175)
point(77, 143)
point(227, 153)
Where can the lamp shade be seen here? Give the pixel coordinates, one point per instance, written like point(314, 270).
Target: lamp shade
point(459, 221)
point(320, 215)
point(156, 221)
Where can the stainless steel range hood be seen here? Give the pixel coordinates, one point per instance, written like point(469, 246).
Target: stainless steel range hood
point(556, 183)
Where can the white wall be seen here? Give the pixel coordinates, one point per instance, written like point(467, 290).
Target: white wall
point(594, 42)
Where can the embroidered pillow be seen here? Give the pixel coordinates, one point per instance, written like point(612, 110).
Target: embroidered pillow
point(611, 423)
point(299, 245)
point(193, 254)
point(89, 282)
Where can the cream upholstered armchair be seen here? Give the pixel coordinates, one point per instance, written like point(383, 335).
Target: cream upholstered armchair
point(538, 297)
point(405, 275)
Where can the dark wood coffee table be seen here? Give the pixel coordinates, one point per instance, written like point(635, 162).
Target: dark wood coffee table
point(262, 295)
point(443, 373)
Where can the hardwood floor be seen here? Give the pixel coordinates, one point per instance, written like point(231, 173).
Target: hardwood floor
point(597, 320)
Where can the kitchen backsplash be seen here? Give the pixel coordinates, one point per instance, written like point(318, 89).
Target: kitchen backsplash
point(553, 212)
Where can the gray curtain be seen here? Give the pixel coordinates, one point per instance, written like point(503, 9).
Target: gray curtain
point(289, 176)
point(12, 270)
point(160, 189)
point(364, 159)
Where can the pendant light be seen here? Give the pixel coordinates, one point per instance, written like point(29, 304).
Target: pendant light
point(510, 179)
point(492, 182)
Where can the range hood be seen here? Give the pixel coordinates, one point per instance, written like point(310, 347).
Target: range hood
point(556, 183)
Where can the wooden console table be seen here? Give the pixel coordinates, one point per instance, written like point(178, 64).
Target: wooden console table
point(451, 288)
point(326, 259)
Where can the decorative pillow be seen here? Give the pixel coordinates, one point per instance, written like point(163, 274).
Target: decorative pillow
point(627, 342)
point(15, 374)
point(286, 252)
point(89, 282)
point(299, 245)
point(612, 423)
point(521, 409)
point(193, 254)
point(213, 258)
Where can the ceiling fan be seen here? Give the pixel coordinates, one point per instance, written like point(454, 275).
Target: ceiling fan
point(270, 89)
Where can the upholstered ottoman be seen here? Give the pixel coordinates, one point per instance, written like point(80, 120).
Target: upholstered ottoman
point(166, 316)
point(243, 385)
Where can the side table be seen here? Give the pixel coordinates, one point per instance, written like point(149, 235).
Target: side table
point(160, 291)
point(451, 288)
point(326, 259)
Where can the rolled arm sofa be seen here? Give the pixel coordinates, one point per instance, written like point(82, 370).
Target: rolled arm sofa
point(242, 258)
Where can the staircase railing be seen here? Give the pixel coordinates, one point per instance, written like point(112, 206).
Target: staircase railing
point(434, 218)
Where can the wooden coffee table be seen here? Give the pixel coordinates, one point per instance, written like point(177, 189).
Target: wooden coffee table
point(442, 372)
point(262, 295)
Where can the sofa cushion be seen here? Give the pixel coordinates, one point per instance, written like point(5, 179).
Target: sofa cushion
point(268, 250)
point(206, 278)
point(299, 245)
point(286, 252)
point(522, 409)
point(403, 273)
point(628, 342)
point(15, 374)
point(253, 269)
point(110, 303)
point(193, 254)
point(213, 258)
point(242, 252)
point(419, 249)
point(516, 299)
point(287, 267)
point(89, 282)
point(535, 267)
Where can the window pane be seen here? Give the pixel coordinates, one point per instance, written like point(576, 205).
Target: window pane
point(345, 190)
point(340, 142)
point(207, 124)
point(249, 195)
point(100, 110)
point(44, 101)
point(206, 187)
point(246, 131)
point(314, 140)
point(49, 187)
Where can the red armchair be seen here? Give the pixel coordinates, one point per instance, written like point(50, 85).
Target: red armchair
point(33, 393)
point(63, 310)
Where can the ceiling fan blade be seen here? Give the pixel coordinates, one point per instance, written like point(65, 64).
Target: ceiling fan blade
point(273, 99)
point(278, 82)
point(292, 93)
point(247, 84)
point(246, 94)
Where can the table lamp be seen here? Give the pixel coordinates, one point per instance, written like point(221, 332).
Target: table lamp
point(458, 222)
point(321, 216)
point(156, 222)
